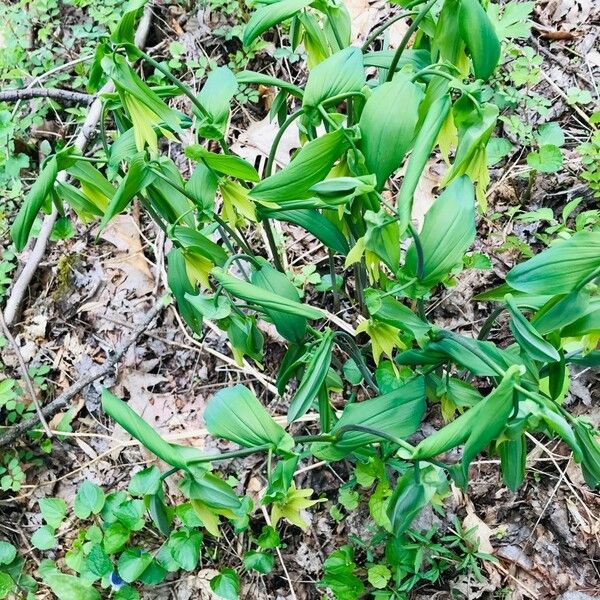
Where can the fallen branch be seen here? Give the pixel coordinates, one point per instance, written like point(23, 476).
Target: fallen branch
point(81, 141)
point(53, 93)
point(62, 401)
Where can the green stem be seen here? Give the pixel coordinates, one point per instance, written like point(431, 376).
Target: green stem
point(271, 159)
point(332, 275)
point(489, 322)
point(181, 86)
point(413, 27)
point(355, 353)
point(377, 32)
point(336, 33)
point(273, 246)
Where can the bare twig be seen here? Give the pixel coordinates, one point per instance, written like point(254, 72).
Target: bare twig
point(55, 94)
point(24, 373)
point(81, 141)
point(65, 398)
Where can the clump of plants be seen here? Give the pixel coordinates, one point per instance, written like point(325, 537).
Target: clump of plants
point(363, 115)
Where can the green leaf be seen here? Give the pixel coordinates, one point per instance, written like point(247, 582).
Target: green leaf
point(180, 284)
point(191, 238)
point(561, 268)
point(270, 14)
point(267, 300)
point(43, 538)
point(145, 482)
point(229, 164)
point(387, 134)
point(215, 96)
point(340, 73)
point(513, 454)
point(53, 510)
point(422, 148)
point(548, 159)
point(550, 134)
point(397, 413)
point(261, 562)
point(159, 513)
point(6, 584)
point(378, 576)
point(132, 563)
point(528, 337)
point(477, 427)
point(235, 414)
point(67, 587)
point(448, 232)
point(392, 312)
point(33, 203)
point(138, 177)
point(97, 562)
point(184, 546)
point(590, 446)
point(268, 538)
point(310, 165)
point(313, 378)
point(383, 237)
point(7, 553)
point(480, 38)
point(115, 538)
point(247, 77)
point(210, 490)
point(314, 222)
point(418, 59)
point(127, 80)
point(89, 500)
point(267, 278)
point(226, 584)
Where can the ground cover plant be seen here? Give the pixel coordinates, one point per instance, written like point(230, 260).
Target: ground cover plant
point(363, 361)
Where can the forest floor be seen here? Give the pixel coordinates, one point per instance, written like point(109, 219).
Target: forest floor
point(86, 297)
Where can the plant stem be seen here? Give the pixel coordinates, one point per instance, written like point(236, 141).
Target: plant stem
point(332, 275)
point(413, 27)
point(336, 33)
point(271, 159)
point(273, 246)
point(489, 322)
point(377, 32)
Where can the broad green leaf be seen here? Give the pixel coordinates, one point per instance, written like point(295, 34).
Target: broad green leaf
point(448, 232)
point(93, 183)
point(513, 454)
point(341, 73)
point(383, 237)
point(227, 584)
point(590, 323)
point(202, 186)
point(173, 454)
point(422, 148)
point(561, 268)
point(88, 500)
point(67, 587)
point(97, 562)
point(115, 537)
point(145, 482)
point(270, 14)
point(514, 22)
point(6, 584)
point(184, 546)
point(160, 514)
point(289, 326)
point(33, 203)
point(53, 510)
point(7, 553)
point(85, 209)
point(229, 164)
point(447, 40)
point(215, 96)
point(43, 538)
point(386, 134)
point(477, 427)
point(547, 159)
point(398, 413)
point(478, 34)
point(418, 59)
point(280, 480)
point(124, 30)
point(563, 310)
point(588, 440)
point(181, 286)
point(247, 77)
point(313, 378)
point(264, 299)
point(190, 237)
point(528, 337)
point(235, 414)
point(132, 563)
point(261, 562)
point(412, 493)
point(138, 176)
point(314, 222)
point(311, 165)
point(391, 311)
point(127, 80)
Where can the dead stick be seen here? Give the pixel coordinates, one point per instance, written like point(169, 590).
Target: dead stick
point(24, 374)
point(39, 249)
point(55, 94)
point(65, 398)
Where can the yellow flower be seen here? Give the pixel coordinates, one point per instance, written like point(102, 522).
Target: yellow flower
point(198, 268)
point(384, 338)
point(144, 120)
point(295, 501)
point(236, 202)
